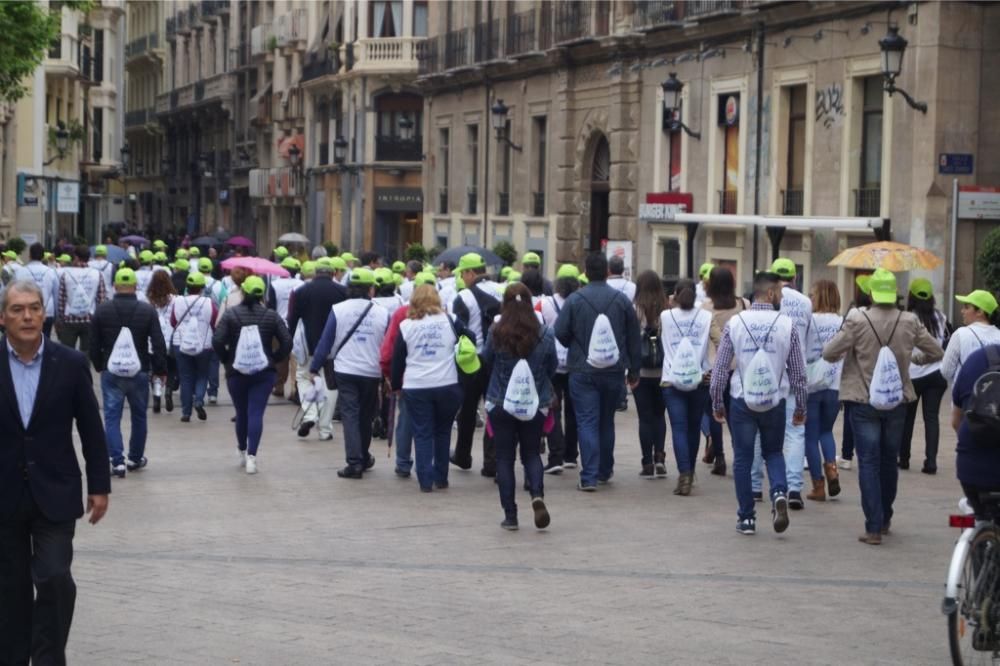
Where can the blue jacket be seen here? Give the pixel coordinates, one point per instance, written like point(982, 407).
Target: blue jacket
point(542, 361)
point(576, 321)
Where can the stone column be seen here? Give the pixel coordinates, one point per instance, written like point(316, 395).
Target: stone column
point(623, 140)
point(568, 217)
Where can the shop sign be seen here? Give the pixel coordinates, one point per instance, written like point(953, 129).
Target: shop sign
point(405, 199)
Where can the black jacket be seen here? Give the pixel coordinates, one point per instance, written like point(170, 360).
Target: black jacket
point(251, 313)
point(42, 456)
point(141, 319)
point(311, 303)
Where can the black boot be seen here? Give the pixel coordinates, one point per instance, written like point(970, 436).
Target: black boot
point(156, 404)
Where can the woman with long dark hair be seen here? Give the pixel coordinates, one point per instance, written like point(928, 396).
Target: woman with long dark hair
point(517, 404)
point(723, 303)
point(650, 302)
point(161, 295)
point(685, 331)
point(928, 382)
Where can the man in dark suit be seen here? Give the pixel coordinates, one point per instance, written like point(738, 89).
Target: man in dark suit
point(44, 388)
point(309, 307)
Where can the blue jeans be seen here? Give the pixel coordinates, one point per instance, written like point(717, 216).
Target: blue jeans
point(249, 394)
point(403, 437)
point(431, 412)
point(359, 398)
point(685, 409)
point(193, 371)
point(213, 374)
point(744, 425)
point(652, 423)
point(820, 417)
point(115, 391)
point(794, 449)
point(877, 436)
point(509, 434)
point(595, 399)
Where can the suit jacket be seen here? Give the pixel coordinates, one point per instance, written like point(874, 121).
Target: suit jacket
point(310, 306)
point(42, 455)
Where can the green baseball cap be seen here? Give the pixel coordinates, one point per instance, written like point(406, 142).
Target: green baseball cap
point(281, 252)
point(337, 263)
point(981, 299)
point(308, 268)
point(459, 283)
point(347, 256)
point(253, 286)
point(922, 288)
point(398, 267)
point(181, 253)
point(397, 279)
point(706, 269)
point(384, 276)
point(863, 284)
point(513, 276)
point(883, 286)
point(101, 251)
point(470, 262)
point(466, 356)
point(290, 264)
point(146, 256)
point(181, 265)
point(531, 259)
point(583, 279)
point(195, 251)
point(196, 279)
point(159, 244)
point(64, 259)
point(425, 278)
point(46, 256)
point(505, 272)
point(160, 257)
point(568, 271)
point(10, 254)
point(325, 265)
point(125, 276)
point(362, 277)
point(205, 265)
point(785, 269)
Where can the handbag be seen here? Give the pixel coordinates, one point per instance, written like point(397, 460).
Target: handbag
point(328, 373)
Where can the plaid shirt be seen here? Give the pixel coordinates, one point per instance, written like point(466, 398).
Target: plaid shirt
point(62, 317)
point(724, 361)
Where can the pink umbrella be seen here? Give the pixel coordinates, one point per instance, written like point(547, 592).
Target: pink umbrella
point(256, 265)
point(240, 241)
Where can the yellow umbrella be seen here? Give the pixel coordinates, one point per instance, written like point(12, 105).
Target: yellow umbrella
point(895, 257)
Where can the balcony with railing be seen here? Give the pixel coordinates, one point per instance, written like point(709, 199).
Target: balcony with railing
point(64, 56)
point(321, 63)
point(398, 149)
point(211, 8)
point(216, 88)
point(261, 42)
point(139, 117)
point(868, 202)
point(387, 54)
point(292, 29)
point(792, 202)
point(288, 105)
point(274, 183)
point(727, 202)
point(572, 21)
point(503, 203)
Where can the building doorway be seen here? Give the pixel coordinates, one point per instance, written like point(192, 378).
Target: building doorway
point(600, 193)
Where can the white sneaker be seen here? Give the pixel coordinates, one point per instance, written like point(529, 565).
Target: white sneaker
point(243, 458)
point(325, 438)
point(251, 464)
point(844, 463)
point(212, 400)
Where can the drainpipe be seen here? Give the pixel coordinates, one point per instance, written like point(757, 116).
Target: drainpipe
point(758, 141)
point(486, 138)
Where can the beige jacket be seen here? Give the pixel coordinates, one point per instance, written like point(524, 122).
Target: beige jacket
point(857, 345)
point(719, 320)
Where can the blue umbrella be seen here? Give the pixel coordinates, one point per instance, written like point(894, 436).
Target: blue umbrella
point(115, 253)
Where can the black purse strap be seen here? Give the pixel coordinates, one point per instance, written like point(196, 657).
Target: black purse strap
point(347, 337)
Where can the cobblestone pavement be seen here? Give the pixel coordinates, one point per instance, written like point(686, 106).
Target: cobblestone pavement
point(197, 563)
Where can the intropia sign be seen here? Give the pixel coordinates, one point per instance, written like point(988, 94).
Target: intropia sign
point(406, 199)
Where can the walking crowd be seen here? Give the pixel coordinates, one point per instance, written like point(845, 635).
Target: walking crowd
point(411, 352)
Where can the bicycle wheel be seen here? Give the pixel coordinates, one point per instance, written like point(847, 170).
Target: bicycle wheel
point(973, 627)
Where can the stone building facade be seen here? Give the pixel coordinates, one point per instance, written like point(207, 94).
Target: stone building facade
point(588, 142)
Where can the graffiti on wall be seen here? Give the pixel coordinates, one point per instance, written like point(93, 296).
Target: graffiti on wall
point(830, 105)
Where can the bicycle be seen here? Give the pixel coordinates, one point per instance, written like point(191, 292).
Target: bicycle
point(972, 591)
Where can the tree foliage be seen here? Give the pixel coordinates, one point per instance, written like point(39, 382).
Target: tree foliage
point(989, 261)
point(506, 251)
point(27, 31)
point(415, 252)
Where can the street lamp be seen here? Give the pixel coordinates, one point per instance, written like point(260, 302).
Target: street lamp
point(339, 150)
point(499, 118)
point(125, 153)
point(406, 128)
point(204, 164)
point(672, 88)
point(294, 154)
point(893, 45)
point(62, 144)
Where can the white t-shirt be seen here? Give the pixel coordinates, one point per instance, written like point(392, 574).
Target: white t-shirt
point(201, 311)
point(627, 287)
point(283, 288)
point(89, 279)
point(48, 281)
point(964, 341)
point(390, 303)
point(676, 324)
point(825, 325)
point(799, 308)
point(107, 271)
point(777, 344)
point(430, 352)
point(359, 355)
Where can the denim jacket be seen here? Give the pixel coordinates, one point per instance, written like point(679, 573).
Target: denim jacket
point(542, 361)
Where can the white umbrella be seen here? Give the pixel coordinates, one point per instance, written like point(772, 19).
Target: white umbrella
point(293, 238)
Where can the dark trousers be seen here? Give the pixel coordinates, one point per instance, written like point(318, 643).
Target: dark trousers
point(249, 394)
point(69, 334)
point(358, 402)
point(562, 442)
point(930, 391)
point(37, 592)
point(508, 434)
point(474, 387)
point(193, 371)
point(649, 406)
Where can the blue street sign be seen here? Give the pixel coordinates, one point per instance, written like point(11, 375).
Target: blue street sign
point(955, 163)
